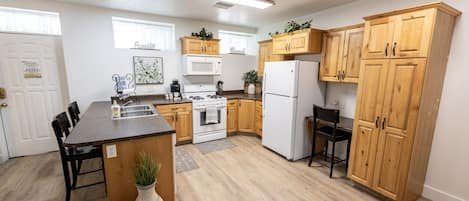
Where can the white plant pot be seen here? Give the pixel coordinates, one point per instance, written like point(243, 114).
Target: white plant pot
point(148, 193)
point(251, 89)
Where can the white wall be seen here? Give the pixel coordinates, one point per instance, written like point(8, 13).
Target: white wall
point(91, 59)
point(448, 172)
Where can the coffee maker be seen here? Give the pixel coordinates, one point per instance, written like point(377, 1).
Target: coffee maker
point(220, 88)
point(176, 89)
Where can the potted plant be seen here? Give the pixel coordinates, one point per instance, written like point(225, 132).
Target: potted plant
point(250, 78)
point(145, 178)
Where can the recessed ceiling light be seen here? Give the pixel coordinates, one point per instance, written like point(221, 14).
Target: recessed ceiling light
point(261, 4)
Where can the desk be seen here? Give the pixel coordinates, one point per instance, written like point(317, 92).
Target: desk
point(345, 124)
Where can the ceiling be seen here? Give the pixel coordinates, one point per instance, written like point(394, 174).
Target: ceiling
point(204, 10)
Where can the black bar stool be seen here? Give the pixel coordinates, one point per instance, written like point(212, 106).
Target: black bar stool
point(74, 113)
point(61, 127)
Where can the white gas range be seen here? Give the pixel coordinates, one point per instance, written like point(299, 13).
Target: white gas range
point(208, 113)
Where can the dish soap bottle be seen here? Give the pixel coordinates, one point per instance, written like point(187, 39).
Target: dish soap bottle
point(116, 110)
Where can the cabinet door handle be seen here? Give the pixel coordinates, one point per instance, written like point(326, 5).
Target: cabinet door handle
point(394, 49)
point(386, 49)
point(377, 122)
point(176, 117)
point(343, 75)
point(384, 122)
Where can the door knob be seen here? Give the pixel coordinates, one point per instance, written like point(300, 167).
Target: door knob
point(4, 105)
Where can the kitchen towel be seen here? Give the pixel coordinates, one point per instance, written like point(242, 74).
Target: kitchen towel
point(211, 115)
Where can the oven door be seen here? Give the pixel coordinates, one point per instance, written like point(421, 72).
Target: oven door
point(200, 124)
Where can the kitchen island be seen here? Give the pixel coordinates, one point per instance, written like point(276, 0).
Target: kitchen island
point(122, 141)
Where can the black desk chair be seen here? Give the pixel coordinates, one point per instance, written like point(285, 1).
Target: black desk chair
point(61, 127)
point(329, 119)
point(74, 113)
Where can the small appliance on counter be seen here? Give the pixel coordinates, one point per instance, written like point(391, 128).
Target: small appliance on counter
point(220, 88)
point(176, 90)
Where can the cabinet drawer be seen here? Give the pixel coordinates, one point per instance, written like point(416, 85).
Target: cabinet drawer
point(232, 103)
point(174, 108)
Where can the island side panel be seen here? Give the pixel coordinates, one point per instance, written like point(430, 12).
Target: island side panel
point(119, 171)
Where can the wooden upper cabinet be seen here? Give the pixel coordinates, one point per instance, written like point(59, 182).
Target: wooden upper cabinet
point(406, 35)
point(399, 118)
point(280, 44)
point(341, 54)
point(212, 47)
point(331, 58)
point(352, 55)
point(194, 45)
point(265, 52)
point(306, 41)
point(266, 55)
point(377, 39)
point(370, 99)
point(246, 116)
point(412, 34)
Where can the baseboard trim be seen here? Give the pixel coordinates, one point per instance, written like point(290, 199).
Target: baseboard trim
point(435, 194)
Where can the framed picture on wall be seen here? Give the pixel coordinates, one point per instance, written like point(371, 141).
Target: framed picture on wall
point(148, 70)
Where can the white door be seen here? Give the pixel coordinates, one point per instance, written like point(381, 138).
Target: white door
point(280, 78)
point(32, 102)
point(278, 124)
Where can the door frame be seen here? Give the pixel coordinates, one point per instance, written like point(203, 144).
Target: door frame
point(4, 152)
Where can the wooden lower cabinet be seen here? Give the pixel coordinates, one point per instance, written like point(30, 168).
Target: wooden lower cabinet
point(246, 116)
point(179, 116)
point(232, 116)
point(259, 118)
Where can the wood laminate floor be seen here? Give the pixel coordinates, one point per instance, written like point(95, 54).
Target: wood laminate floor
point(246, 172)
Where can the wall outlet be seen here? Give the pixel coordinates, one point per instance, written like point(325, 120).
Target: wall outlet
point(111, 151)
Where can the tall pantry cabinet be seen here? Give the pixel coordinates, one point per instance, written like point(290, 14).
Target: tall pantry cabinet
point(403, 65)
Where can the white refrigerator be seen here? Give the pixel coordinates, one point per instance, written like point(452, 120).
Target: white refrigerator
point(290, 89)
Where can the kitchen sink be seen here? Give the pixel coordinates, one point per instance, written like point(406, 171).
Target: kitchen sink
point(137, 111)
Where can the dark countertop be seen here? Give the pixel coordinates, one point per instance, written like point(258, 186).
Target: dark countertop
point(96, 127)
point(163, 101)
point(241, 95)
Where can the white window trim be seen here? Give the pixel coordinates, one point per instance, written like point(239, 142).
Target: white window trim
point(146, 22)
point(241, 34)
point(33, 11)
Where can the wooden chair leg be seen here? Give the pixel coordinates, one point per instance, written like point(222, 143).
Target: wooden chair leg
point(332, 159)
point(313, 147)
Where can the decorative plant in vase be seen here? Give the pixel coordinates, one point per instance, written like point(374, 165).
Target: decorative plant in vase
point(203, 34)
point(251, 78)
point(145, 177)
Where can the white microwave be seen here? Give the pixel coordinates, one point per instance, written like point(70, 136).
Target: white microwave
point(201, 64)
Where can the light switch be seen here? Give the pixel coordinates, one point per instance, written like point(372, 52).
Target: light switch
point(111, 151)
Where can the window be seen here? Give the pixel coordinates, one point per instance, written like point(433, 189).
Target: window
point(130, 33)
point(29, 21)
point(233, 42)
